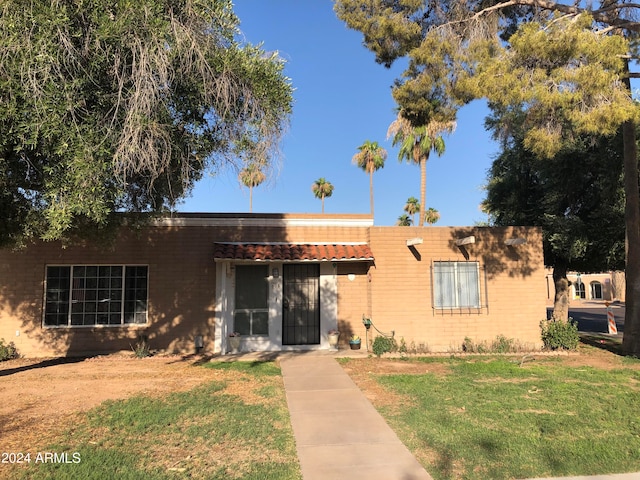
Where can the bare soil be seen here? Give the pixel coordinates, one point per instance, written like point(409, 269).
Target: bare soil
point(40, 397)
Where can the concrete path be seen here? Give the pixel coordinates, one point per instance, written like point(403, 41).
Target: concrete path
point(339, 435)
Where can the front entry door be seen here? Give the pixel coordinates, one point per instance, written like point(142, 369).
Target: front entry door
point(301, 304)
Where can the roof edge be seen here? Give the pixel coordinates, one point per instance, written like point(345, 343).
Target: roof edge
point(264, 220)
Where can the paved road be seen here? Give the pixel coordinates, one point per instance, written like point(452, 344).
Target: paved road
point(592, 316)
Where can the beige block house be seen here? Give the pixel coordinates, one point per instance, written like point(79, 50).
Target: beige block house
point(281, 281)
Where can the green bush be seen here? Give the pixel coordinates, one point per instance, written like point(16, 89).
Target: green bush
point(501, 344)
point(560, 335)
point(7, 351)
point(469, 346)
point(384, 345)
point(142, 348)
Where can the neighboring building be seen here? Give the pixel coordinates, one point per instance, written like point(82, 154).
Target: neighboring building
point(280, 281)
point(604, 286)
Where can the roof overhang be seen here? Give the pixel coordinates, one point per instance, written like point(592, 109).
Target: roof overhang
point(292, 252)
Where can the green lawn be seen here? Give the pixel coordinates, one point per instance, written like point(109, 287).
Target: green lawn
point(484, 418)
point(204, 433)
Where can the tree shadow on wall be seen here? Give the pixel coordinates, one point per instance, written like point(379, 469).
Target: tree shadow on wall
point(516, 251)
point(181, 279)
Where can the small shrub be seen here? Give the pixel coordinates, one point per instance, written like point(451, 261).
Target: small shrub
point(402, 349)
point(8, 350)
point(142, 349)
point(384, 345)
point(469, 346)
point(560, 335)
point(503, 344)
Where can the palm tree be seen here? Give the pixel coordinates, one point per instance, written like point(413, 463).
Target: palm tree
point(412, 207)
point(251, 176)
point(416, 143)
point(404, 220)
point(431, 216)
point(370, 158)
point(322, 189)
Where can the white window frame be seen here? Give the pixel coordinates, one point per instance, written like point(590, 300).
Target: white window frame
point(70, 300)
point(457, 286)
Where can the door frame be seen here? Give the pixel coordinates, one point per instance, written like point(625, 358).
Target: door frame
point(310, 332)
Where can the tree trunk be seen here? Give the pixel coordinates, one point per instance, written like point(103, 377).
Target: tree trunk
point(423, 190)
point(250, 199)
point(561, 299)
point(631, 338)
point(371, 191)
point(618, 286)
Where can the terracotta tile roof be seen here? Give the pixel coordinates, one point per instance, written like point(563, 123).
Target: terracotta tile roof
point(292, 252)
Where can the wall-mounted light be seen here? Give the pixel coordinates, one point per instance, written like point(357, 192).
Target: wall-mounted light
point(275, 273)
point(199, 341)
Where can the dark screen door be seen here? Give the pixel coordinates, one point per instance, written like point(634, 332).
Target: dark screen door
point(301, 304)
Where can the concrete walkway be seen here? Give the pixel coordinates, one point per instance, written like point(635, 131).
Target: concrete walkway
point(339, 435)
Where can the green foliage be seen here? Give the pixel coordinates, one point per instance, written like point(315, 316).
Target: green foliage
point(500, 344)
point(257, 368)
point(567, 76)
point(575, 197)
point(141, 348)
point(402, 348)
point(560, 334)
point(383, 344)
point(122, 106)
point(8, 351)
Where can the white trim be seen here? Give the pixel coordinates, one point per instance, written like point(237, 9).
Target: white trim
point(261, 222)
point(315, 244)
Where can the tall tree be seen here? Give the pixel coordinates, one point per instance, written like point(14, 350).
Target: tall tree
point(416, 143)
point(404, 220)
point(121, 106)
point(322, 189)
point(568, 64)
point(251, 176)
point(370, 157)
point(412, 207)
point(576, 197)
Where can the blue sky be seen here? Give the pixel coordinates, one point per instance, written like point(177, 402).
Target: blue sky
point(342, 98)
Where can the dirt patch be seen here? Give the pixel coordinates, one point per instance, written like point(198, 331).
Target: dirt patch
point(41, 397)
point(362, 372)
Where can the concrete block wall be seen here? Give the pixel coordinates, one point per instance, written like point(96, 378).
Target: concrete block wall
point(395, 291)
point(401, 298)
point(181, 276)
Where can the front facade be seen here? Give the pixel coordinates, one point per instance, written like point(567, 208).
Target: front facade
point(275, 282)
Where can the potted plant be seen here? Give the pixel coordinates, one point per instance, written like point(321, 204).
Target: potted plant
point(333, 338)
point(234, 342)
point(355, 342)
